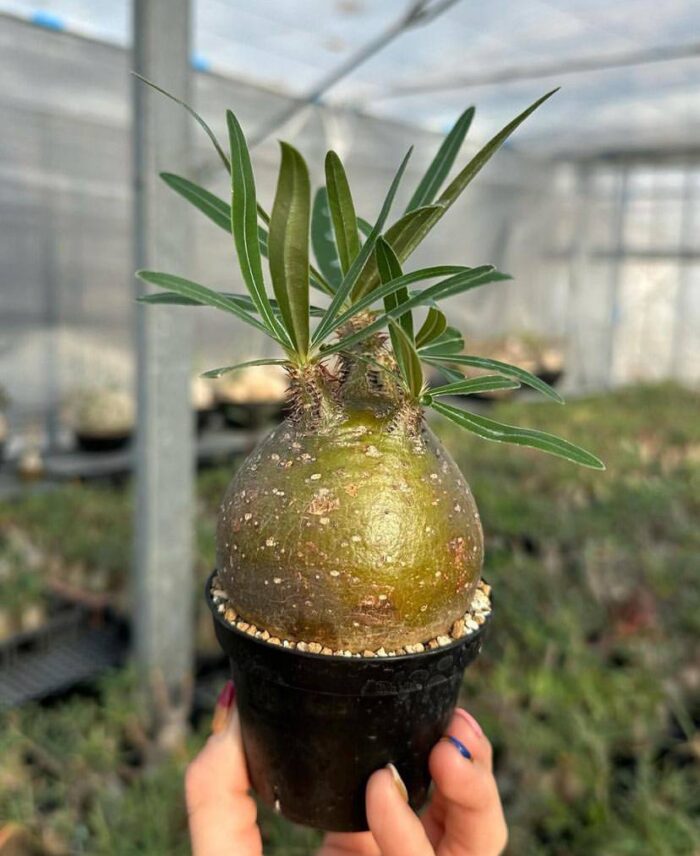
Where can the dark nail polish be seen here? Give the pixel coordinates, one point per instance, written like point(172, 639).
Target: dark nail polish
point(459, 746)
point(227, 695)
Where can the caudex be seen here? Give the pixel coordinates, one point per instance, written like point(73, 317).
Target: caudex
point(351, 525)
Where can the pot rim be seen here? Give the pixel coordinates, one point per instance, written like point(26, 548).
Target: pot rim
point(325, 658)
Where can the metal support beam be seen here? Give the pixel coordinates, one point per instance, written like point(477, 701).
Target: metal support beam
point(163, 582)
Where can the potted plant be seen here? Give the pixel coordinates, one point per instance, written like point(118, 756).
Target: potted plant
point(349, 546)
point(203, 401)
point(252, 397)
point(102, 418)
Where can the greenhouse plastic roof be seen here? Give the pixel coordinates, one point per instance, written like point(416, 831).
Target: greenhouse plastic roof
point(469, 54)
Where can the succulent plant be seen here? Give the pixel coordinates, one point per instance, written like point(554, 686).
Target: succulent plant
point(102, 411)
point(350, 525)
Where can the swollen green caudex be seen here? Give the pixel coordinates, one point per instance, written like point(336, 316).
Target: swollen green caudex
point(350, 525)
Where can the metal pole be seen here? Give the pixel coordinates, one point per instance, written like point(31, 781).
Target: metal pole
point(578, 323)
point(163, 582)
point(615, 308)
point(418, 13)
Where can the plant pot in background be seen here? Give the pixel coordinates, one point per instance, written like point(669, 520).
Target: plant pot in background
point(255, 414)
point(316, 727)
point(107, 442)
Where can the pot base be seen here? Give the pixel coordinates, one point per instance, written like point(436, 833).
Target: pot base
point(315, 727)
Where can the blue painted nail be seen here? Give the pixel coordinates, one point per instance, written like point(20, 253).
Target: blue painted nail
point(459, 746)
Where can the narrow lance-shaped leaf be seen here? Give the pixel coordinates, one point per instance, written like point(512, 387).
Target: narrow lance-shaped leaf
point(474, 278)
point(244, 227)
point(396, 235)
point(438, 170)
point(364, 226)
point(469, 386)
point(432, 328)
point(401, 331)
point(418, 229)
point(476, 164)
point(501, 433)
point(342, 210)
point(209, 204)
point(451, 375)
point(212, 206)
point(389, 271)
point(390, 287)
point(199, 293)
point(195, 115)
point(345, 288)
point(451, 341)
point(317, 278)
point(407, 358)
point(243, 300)
point(506, 369)
point(215, 373)
point(289, 245)
point(322, 239)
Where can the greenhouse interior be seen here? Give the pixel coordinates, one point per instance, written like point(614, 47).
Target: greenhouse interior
point(118, 450)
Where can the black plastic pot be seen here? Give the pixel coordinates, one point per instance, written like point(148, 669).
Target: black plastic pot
point(251, 415)
point(203, 418)
point(316, 727)
point(102, 442)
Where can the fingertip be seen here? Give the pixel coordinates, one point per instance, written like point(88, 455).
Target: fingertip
point(394, 825)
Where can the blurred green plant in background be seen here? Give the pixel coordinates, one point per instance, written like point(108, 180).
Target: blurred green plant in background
point(589, 686)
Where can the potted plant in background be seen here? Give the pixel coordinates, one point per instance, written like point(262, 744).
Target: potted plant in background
point(203, 401)
point(102, 418)
point(253, 396)
point(349, 546)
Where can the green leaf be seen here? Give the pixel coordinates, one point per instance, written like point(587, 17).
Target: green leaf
point(432, 328)
point(401, 331)
point(468, 386)
point(472, 278)
point(396, 235)
point(390, 271)
point(243, 300)
point(207, 130)
point(407, 359)
point(476, 164)
point(404, 280)
point(438, 170)
point(289, 245)
point(244, 227)
point(501, 433)
point(449, 342)
point(214, 373)
point(212, 206)
point(496, 365)
point(342, 210)
point(451, 375)
point(322, 239)
point(350, 278)
point(364, 226)
point(199, 293)
point(414, 232)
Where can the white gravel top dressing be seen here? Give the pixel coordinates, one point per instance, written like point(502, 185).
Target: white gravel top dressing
point(468, 624)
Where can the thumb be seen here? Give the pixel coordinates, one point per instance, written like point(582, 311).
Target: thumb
point(394, 825)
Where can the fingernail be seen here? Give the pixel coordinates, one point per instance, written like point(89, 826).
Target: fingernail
point(467, 717)
point(459, 746)
point(224, 703)
point(398, 782)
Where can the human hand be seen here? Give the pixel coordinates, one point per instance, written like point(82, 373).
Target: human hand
point(464, 818)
